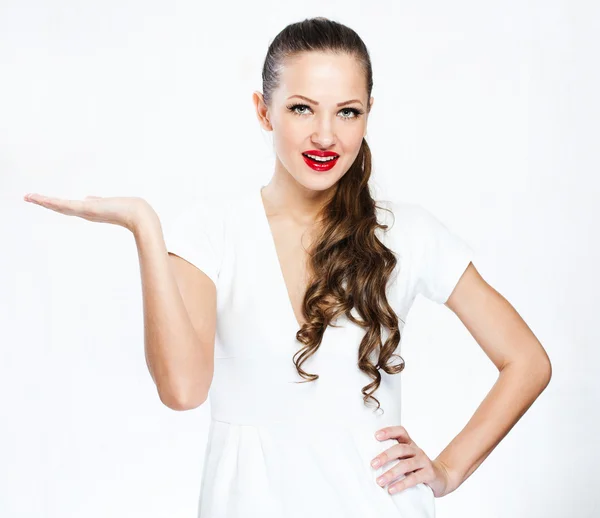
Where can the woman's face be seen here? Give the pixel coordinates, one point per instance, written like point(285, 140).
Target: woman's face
point(315, 121)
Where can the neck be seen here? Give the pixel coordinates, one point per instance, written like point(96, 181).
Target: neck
point(285, 198)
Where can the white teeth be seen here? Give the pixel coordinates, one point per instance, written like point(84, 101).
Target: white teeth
point(321, 159)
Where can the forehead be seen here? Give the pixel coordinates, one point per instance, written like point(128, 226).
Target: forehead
point(324, 77)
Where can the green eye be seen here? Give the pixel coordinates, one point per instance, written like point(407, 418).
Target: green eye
point(357, 113)
point(293, 108)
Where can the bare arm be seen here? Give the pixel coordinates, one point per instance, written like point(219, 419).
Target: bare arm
point(179, 300)
point(179, 304)
point(524, 372)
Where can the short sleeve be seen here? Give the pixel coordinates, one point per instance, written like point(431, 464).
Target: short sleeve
point(196, 233)
point(439, 256)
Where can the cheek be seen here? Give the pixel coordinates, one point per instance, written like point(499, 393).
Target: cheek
point(353, 142)
point(289, 139)
point(357, 134)
point(350, 135)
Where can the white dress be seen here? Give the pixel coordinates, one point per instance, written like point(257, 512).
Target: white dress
point(282, 449)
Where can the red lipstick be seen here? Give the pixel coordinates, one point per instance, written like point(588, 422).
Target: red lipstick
point(318, 165)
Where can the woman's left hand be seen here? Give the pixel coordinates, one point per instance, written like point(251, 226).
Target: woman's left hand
point(414, 463)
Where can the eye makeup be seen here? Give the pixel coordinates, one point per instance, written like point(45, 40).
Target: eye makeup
point(357, 113)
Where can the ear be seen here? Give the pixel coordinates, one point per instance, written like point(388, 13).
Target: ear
point(262, 112)
point(371, 101)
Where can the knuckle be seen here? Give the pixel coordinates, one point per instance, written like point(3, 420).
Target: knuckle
point(414, 464)
point(397, 487)
point(397, 469)
point(400, 449)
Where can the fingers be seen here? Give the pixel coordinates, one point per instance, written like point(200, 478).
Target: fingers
point(410, 480)
point(69, 207)
point(411, 463)
point(39, 198)
point(398, 451)
point(121, 210)
point(394, 432)
point(44, 201)
point(34, 197)
point(403, 467)
point(410, 468)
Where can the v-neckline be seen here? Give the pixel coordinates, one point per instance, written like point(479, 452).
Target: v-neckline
point(282, 285)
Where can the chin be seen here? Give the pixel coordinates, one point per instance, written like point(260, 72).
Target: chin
point(318, 181)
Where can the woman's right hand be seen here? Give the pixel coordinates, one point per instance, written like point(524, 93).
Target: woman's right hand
point(123, 211)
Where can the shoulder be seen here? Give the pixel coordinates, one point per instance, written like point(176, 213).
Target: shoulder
point(198, 224)
point(408, 223)
point(206, 209)
point(436, 255)
point(197, 231)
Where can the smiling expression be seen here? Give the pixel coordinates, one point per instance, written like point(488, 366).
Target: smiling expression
point(320, 106)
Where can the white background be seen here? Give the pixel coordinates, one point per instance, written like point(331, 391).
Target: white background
point(486, 113)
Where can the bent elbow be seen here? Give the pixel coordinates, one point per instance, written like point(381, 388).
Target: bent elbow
point(542, 371)
point(183, 403)
point(191, 403)
point(548, 373)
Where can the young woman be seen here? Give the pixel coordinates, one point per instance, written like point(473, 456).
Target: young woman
point(287, 303)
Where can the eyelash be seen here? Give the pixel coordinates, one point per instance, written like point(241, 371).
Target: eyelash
point(292, 108)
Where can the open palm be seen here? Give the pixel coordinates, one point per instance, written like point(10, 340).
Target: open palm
point(122, 211)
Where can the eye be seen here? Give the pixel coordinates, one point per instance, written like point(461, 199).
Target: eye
point(354, 111)
point(293, 107)
point(357, 113)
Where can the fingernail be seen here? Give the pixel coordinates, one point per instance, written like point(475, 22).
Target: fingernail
point(380, 435)
point(375, 463)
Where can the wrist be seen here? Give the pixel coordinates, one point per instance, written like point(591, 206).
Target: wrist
point(143, 219)
point(453, 477)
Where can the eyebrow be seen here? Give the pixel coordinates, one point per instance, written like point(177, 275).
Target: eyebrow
point(315, 102)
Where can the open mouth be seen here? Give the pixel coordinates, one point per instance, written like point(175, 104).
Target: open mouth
point(319, 159)
point(320, 164)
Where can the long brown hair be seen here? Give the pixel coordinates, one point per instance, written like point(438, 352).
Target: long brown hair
point(350, 267)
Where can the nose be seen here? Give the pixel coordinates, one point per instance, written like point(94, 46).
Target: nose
point(324, 135)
